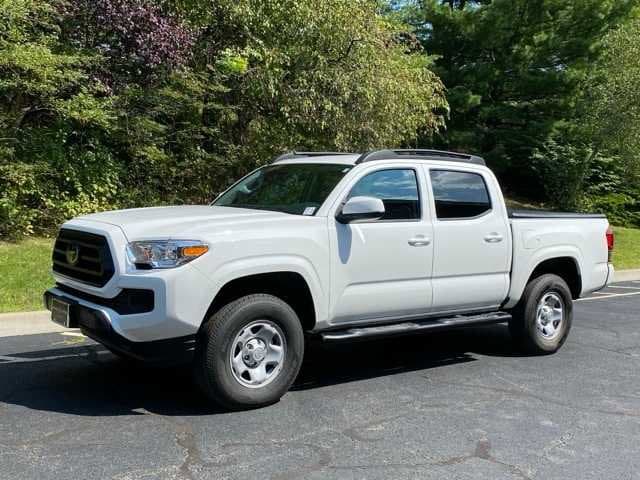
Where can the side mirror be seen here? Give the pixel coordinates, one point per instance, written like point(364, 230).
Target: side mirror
point(361, 208)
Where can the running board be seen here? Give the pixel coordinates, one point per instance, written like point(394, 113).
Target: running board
point(407, 328)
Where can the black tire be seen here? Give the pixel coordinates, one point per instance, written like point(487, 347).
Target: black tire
point(212, 365)
point(523, 326)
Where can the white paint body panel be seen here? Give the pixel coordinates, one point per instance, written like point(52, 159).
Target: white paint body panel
point(361, 272)
point(468, 272)
point(375, 273)
point(537, 240)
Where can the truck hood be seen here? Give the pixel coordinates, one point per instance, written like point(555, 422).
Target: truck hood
point(179, 221)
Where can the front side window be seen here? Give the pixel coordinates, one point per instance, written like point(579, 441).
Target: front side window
point(299, 188)
point(398, 190)
point(459, 194)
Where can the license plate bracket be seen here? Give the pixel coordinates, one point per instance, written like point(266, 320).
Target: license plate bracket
point(60, 312)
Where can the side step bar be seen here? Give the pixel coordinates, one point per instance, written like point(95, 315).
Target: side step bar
point(407, 328)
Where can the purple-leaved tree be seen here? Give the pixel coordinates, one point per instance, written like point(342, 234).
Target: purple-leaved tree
point(137, 37)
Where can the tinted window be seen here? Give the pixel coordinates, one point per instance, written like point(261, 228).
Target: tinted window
point(298, 188)
point(398, 190)
point(459, 194)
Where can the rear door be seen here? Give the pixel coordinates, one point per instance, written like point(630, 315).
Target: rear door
point(472, 243)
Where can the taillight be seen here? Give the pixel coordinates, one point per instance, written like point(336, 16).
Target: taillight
point(610, 241)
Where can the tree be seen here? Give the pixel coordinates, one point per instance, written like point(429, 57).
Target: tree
point(610, 107)
point(266, 77)
point(513, 72)
point(317, 74)
point(118, 103)
point(612, 99)
point(137, 38)
point(46, 92)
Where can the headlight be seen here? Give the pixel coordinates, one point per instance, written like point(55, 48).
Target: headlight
point(164, 253)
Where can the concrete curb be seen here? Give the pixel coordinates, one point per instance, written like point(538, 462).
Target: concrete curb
point(25, 316)
point(626, 275)
point(27, 323)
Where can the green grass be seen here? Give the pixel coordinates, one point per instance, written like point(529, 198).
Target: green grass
point(24, 274)
point(626, 251)
point(24, 268)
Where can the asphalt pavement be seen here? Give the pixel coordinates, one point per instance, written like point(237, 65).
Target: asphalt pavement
point(453, 405)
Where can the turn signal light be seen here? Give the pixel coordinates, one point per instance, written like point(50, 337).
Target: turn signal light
point(195, 250)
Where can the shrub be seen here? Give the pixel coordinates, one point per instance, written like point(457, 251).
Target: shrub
point(562, 168)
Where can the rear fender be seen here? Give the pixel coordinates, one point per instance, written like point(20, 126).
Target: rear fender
point(521, 273)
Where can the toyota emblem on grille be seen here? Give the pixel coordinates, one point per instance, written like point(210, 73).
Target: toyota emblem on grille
point(72, 253)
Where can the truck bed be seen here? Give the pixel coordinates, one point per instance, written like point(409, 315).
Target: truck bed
point(540, 235)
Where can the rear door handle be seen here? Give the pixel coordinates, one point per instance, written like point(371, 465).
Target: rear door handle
point(419, 241)
point(493, 237)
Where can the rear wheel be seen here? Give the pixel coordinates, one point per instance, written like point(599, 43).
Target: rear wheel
point(249, 353)
point(542, 320)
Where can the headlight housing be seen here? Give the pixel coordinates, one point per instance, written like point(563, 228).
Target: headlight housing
point(148, 254)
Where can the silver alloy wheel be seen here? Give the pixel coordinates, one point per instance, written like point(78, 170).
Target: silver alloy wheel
point(550, 315)
point(257, 353)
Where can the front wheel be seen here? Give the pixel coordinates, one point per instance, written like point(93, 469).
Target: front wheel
point(542, 320)
point(249, 352)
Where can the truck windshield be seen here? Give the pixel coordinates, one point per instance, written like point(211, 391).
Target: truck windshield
point(290, 188)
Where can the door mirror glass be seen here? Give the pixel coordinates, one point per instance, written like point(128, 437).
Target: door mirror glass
point(361, 208)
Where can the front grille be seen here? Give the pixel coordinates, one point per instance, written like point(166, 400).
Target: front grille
point(83, 256)
point(127, 302)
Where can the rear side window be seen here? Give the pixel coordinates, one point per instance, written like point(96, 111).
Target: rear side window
point(398, 190)
point(459, 194)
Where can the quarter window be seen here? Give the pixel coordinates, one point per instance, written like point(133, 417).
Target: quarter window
point(398, 190)
point(459, 194)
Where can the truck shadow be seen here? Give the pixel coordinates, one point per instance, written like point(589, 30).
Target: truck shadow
point(88, 381)
point(332, 364)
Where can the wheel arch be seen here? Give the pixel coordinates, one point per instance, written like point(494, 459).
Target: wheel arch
point(566, 268)
point(290, 286)
point(562, 262)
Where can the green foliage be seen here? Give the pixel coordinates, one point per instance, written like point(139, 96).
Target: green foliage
point(610, 189)
point(514, 70)
point(56, 185)
point(92, 118)
point(612, 100)
point(49, 103)
point(118, 103)
point(563, 167)
point(620, 208)
point(37, 78)
point(578, 177)
point(610, 114)
point(317, 74)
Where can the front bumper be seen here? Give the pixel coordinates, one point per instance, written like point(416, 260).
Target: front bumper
point(181, 296)
point(95, 322)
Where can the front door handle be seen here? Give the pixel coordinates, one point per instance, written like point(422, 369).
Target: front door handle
point(493, 237)
point(419, 241)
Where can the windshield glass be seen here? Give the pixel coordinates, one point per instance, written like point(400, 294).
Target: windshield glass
point(291, 188)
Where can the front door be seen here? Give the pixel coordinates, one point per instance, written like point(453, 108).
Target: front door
point(381, 269)
point(472, 247)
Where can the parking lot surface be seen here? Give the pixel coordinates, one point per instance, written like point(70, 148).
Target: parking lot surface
point(461, 404)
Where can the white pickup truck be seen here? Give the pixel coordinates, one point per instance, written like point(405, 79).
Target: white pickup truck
point(336, 246)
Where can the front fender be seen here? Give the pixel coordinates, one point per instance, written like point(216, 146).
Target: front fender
point(254, 265)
